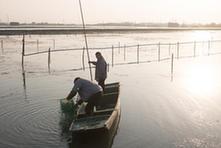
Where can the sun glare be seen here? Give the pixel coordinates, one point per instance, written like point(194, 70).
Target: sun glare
point(202, 36)
point(201, 79)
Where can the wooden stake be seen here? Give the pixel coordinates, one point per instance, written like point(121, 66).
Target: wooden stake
point(37, 45)
point(158, 52)
point(53, 43)
point(138, 53)
point(172, 67)
point(23, 50)
point(194, 50)
point(49, 59)
point(2, 46)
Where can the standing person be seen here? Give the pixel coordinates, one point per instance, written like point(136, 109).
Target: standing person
point(101, 69)
point(88, 91)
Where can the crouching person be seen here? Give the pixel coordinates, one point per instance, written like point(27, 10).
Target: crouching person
point(88, 91)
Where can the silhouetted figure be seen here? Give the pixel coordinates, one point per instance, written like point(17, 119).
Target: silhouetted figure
point(101, 69)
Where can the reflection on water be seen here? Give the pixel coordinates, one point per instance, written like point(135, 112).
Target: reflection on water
point(202, 36)
point(201, 79)
point(24, 82)
point(97, 139)
point(65, 122)
point(94, 139)
point(156, 112)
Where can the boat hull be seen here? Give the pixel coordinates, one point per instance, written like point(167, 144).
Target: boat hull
point(101, 134)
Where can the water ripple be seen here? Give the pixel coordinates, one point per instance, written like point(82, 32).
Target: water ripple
point(34, 121)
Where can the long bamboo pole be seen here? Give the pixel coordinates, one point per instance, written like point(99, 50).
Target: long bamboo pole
point(85, 39)
point(83, 59)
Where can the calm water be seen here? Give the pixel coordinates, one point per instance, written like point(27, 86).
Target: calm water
point(156, 112)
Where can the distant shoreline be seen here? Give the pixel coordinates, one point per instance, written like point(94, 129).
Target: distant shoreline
point(77, 30)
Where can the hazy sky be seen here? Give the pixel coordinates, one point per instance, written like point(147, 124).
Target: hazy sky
point(99, 11)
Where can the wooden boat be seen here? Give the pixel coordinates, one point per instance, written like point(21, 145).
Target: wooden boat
point(105, 118)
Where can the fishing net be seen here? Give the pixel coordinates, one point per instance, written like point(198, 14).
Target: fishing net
point(67, 106)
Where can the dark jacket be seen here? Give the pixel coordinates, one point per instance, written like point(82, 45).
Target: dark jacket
point(101, 69)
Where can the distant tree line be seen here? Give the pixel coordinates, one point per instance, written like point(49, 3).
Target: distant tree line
point(129, 24)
